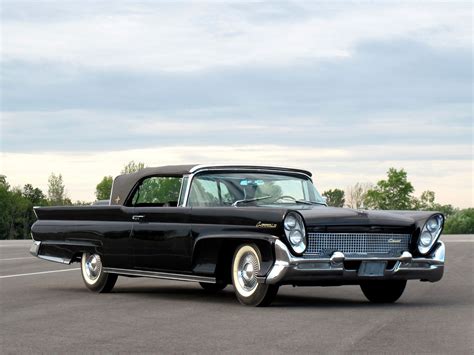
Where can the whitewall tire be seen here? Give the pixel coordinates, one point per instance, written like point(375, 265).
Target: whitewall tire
point(245, 268)
point(93, 274)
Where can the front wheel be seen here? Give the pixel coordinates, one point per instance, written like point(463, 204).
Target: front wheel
point(245, 268)
point(383, 291)
point(94, 276)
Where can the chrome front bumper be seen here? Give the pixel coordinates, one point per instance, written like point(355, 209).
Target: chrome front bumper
point(296, 270)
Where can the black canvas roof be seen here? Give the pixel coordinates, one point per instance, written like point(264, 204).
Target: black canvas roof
point(123, 184)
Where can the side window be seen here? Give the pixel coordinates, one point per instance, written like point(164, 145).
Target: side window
point(209, 193)
point(158, 191)
point(226, 196)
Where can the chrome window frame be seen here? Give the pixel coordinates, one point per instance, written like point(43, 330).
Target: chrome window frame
point(184, 180)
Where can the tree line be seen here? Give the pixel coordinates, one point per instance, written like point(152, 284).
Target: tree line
point(16, 203)
point(396, 193)
point(393, 193)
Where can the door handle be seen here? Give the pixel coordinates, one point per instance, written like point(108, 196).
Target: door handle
point(138, 217)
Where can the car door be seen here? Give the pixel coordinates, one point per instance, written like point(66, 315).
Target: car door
point(161, 232)
point(114, 225)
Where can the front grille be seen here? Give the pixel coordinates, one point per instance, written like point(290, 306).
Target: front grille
point(357, 244)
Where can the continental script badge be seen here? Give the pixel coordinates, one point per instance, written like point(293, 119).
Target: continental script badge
point(394, 241)
point(266, 225)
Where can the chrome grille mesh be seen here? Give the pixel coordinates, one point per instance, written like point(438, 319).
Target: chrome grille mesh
point(353, 244)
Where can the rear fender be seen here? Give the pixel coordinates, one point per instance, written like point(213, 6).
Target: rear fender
point(67, 251)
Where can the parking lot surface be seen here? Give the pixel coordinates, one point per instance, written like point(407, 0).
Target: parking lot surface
point(45, 308)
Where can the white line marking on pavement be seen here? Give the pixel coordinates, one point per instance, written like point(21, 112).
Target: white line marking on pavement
point(459, 241)
point(24, 257)
point(38, 273)
point(16, 245)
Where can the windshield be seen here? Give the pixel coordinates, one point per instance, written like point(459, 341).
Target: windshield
point(252, 189)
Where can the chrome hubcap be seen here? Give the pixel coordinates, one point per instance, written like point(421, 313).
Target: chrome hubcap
point(93, 266)
point(247, 272)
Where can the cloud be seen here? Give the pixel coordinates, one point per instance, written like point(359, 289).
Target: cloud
point(345, 89)
point(379, 75)
point(188, 37)
point(440, 128)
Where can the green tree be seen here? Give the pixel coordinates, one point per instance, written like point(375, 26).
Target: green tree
point(427, 202)
point(461, 222)
point(56, 191)
point(3, 182)
point(356, 194)
point(335, 198)
point(132, 167)
point(391, 194)
point(447, 210)
point(104, 188)
point(16, 212)
point(5, 208)
point(81, 203)
point(35, 195)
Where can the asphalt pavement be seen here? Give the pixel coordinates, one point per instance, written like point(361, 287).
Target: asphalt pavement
point(44, 308)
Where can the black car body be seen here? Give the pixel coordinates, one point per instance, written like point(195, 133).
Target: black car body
point(253, 226)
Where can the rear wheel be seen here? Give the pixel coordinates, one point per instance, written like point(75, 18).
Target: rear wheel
point(94, 276)
point(245, 267)
point(383, 291)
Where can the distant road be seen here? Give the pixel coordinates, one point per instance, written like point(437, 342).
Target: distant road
point(44, 308)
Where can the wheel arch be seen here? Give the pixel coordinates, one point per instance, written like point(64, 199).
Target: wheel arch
point(212, 254)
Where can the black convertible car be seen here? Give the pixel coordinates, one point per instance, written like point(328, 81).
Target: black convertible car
point(254, 227)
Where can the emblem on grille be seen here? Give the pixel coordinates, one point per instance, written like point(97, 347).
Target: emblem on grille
point(394, 241)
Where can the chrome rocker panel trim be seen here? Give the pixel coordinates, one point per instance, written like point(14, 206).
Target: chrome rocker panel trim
point(160, 275)
point(290, 270)
point(34, 250)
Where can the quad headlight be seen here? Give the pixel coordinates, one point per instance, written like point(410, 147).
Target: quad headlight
point(295, 232)
point(430, 233)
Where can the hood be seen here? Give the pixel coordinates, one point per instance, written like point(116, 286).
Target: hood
point(321, 216)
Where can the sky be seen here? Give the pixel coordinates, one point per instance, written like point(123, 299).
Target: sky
point(343, 89)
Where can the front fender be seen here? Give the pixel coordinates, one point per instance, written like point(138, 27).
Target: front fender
point(213, 253)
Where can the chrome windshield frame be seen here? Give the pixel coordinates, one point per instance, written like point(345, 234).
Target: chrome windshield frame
point(233, 170)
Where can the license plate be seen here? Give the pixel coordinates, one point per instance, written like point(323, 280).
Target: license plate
point(372, 268)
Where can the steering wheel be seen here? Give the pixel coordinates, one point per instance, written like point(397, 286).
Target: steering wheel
point(286, 197)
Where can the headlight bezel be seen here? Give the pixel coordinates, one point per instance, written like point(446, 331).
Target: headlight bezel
point(299, 227)
point(423, 247)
